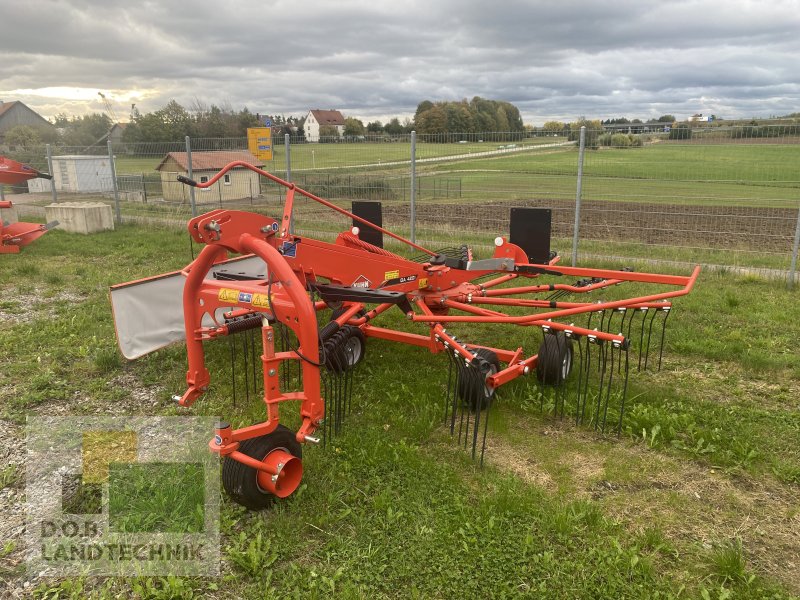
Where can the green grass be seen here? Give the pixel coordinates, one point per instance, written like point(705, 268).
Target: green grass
point(326, 156)
point(692, 174)
point(156, 497)
point(392, 508)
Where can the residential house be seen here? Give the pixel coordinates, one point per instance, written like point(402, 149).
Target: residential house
point(236, 184)
point(14, 114)
point(319, 118)
point(116, 132)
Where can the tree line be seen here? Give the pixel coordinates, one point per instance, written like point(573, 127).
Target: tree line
point(173, 122)
point(475, 116)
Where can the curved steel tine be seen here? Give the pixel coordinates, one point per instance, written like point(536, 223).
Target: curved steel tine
point(485, 429)
point(663, 333)
point(624, 394)
point(603, 363)
point(641, 338)
point(608, 387)
point(649, 336)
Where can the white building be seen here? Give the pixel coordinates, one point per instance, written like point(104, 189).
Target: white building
point(319, 118)
point(75, 173)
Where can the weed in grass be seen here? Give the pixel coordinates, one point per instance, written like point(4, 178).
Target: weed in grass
point(722, 593)
point(10, 306)
point(652, 539)
point(727, 563)
point(8, 548)
point(9, 476)
point(785, 471)
point(72, 589)
point(42, 387)
point(578, 515)
point(54, 279)
point(587, 515)
point(731, 300)
point(164, 588)
point(253, 554)
point(26, 270)
point(107, 360)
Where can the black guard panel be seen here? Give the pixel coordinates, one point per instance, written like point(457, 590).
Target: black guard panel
point(372, 212)
point(529, 229)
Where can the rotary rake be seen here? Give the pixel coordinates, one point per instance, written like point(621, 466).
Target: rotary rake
point(14, 236)
point(274, 292)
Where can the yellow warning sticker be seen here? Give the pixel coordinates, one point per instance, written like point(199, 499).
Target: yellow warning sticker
point(260, 301)
point(391, 275)
point(423, 283)
point(229, 295)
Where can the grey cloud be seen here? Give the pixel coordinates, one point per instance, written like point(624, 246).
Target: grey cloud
point(553, 59)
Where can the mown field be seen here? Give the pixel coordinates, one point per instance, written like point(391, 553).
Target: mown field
point(729, 174)
point(698, 498)
point(322, 156)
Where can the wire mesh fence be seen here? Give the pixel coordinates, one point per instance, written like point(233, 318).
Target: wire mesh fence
point(720, 195)
point(726, 196)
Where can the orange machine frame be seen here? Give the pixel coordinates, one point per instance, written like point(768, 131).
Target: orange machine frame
point(298, 265)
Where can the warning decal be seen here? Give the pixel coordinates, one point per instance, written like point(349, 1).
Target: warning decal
point(228, 295)
point(261, 300)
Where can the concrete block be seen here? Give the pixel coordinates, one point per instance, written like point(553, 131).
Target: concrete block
point(135, 196)
point(81, 217)
point(9, 215)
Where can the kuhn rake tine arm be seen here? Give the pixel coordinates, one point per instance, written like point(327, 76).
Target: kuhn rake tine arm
point(687, 284)
point(308, 195)
point(560, 287)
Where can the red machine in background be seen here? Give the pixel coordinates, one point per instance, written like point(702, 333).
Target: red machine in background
point(283, 281)
point(14, 236)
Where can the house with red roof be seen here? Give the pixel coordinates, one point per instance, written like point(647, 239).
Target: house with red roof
point(236, 184)
point(319, 118)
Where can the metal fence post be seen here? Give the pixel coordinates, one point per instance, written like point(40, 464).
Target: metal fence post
point(413, 189)
point(793, 267)
point(581, 149)
point(287, 147)
point(189, 174)
point(112, 167)
point(52, 174)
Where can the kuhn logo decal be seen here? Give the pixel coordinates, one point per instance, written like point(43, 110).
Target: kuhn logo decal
point(361, 282)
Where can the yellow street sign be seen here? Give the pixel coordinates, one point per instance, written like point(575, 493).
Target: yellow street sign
point(259, 142)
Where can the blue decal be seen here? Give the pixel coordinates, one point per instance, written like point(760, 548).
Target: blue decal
point(289, 249)
point(245, 297)
point(275, 226)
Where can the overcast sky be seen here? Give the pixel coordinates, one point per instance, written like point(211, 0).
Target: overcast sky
point(554, 59)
